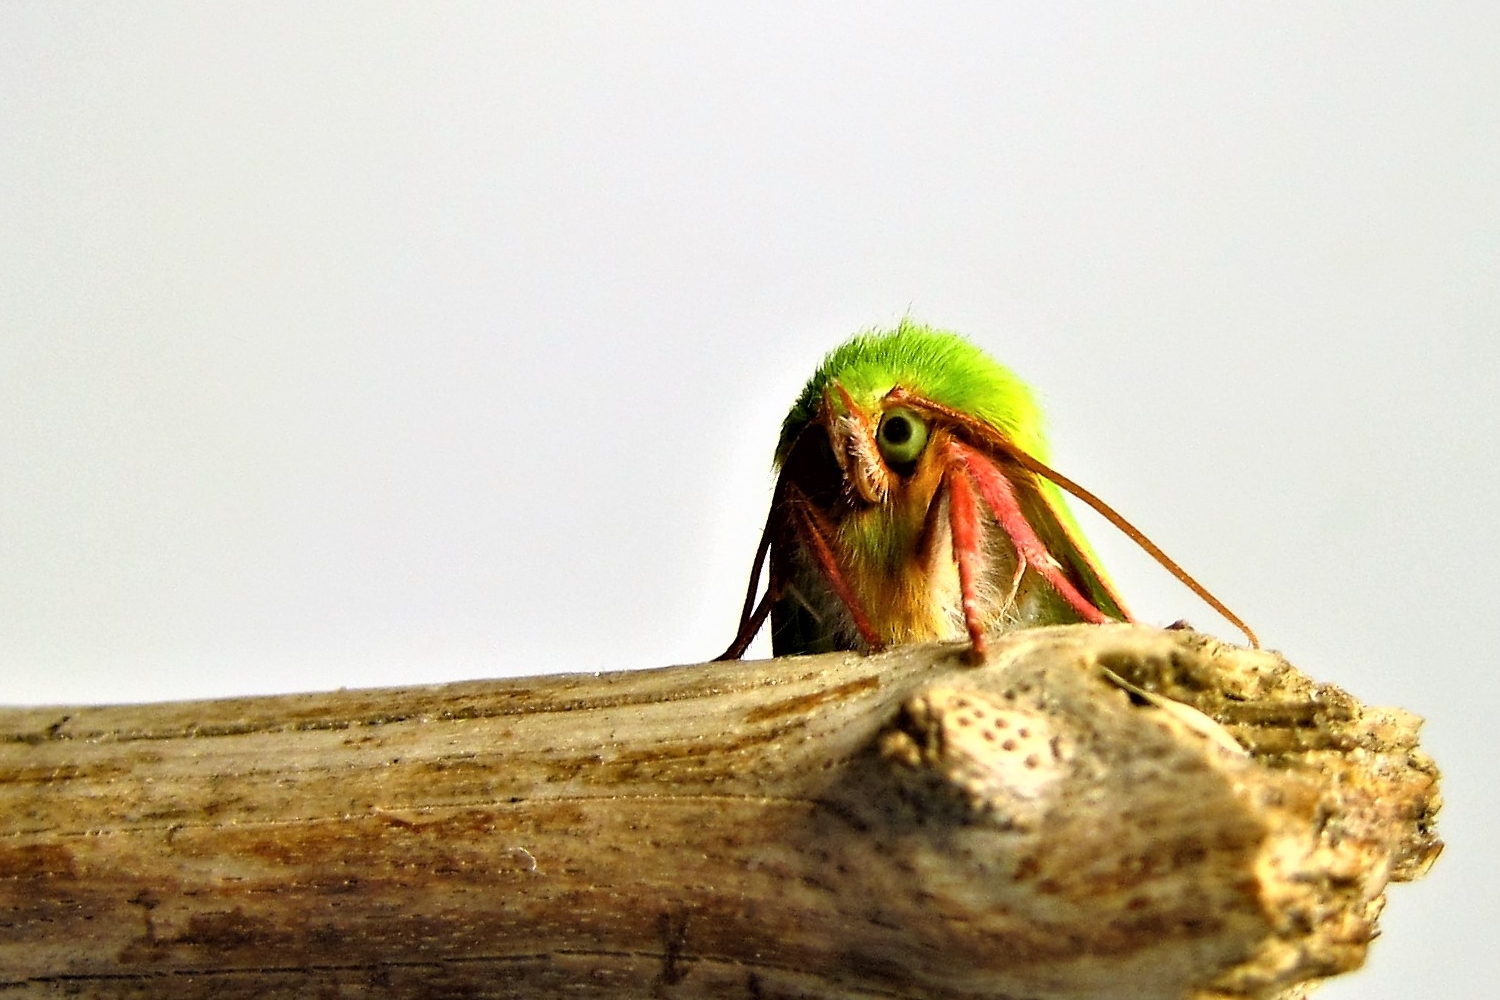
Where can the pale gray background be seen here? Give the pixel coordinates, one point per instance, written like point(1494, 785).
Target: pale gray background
point(385, 344)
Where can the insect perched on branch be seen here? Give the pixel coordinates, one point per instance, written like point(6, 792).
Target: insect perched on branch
point(914, 503)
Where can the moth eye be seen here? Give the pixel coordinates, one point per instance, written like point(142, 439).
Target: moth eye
point(901, 437)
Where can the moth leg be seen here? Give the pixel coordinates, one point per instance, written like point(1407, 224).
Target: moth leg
point(1001, 498)
point(752, 615)
point(963, 521)
point(749, 625)
point(993, 438)
point(814, 535)
point(1012, 598)
point(795, 594)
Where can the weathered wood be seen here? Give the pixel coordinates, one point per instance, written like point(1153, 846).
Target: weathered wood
point(893, 826)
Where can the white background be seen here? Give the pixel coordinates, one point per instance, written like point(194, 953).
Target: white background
point(382, 344)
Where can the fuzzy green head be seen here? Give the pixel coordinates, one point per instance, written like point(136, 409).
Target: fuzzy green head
point(935, 364)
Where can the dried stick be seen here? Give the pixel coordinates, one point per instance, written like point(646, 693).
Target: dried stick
point(900, 825)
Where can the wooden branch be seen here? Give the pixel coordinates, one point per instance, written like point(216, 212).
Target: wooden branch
point(839, 826)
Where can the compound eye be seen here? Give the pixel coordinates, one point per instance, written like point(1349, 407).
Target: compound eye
point(901, 436)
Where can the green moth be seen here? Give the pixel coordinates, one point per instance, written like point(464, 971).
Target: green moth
point(913, 503)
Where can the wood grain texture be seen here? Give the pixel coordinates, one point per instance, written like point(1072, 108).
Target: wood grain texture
point(839, 826)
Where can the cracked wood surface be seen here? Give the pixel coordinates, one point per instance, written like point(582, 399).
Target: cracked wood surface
point(840, 826)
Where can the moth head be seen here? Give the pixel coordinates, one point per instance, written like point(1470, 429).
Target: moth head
point(881, 446)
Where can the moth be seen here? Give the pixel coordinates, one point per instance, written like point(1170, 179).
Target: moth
point(914, 503)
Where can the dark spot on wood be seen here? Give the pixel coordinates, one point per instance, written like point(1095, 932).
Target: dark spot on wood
point(672, 930)
point(37, 861)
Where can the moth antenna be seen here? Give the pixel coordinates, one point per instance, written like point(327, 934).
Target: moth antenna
point(1135, 534)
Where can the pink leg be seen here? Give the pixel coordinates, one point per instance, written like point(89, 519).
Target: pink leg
point(1001, 498)
point(815, 539)
point(963, 520)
